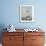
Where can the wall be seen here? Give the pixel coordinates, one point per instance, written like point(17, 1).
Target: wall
point(10, 13)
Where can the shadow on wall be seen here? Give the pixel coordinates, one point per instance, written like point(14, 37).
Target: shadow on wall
point(2, 26)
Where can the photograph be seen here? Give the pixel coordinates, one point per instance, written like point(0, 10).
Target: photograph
point(26, 13)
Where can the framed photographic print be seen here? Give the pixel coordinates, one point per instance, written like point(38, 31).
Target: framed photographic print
point(26, 13)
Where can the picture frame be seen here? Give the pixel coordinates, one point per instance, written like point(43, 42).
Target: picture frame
point(26, 13)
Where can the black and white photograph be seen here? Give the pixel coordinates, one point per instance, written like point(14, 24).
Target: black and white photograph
point(26, 13)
